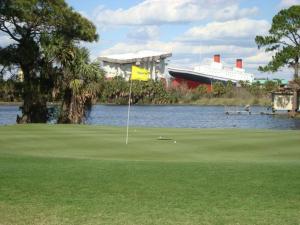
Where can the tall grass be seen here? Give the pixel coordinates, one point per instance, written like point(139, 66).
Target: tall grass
point(221, 94)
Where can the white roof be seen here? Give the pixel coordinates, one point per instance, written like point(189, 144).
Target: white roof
point(134, 56)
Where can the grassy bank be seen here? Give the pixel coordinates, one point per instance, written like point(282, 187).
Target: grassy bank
point(10, 103)
point(87, 175)
point(223, 101)
point(202, 101)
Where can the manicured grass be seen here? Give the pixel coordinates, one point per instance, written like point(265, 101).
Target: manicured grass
point(53, 174)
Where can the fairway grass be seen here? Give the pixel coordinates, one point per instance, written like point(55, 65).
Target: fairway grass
point(65, 174)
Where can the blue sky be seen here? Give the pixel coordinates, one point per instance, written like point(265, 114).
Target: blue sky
point(193, 30)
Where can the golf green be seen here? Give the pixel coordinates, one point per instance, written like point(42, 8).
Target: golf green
point(67, 174)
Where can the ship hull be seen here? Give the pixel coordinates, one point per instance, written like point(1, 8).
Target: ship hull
point(190, 77)
point(193, 79)
point(196, 76)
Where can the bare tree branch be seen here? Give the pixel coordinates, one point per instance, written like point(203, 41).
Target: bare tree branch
point(284, 43)
point(295, 39)
point(291, 39)
point(6, 30)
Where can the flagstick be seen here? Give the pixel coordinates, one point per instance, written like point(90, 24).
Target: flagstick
point(128, 111)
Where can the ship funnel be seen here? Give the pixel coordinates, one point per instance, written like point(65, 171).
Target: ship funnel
point(217, 58)
point(239, 63)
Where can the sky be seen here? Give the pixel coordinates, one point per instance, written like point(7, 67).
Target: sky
point(193, 30)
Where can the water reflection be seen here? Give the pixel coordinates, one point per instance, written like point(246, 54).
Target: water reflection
point(174, 116)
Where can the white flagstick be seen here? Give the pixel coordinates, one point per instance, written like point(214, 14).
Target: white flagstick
point(128, 111)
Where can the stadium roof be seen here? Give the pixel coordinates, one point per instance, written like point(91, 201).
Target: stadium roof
point(134, 57)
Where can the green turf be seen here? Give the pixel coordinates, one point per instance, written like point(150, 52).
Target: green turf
point(52, 174)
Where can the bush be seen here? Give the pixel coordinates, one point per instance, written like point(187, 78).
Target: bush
point(117, 90)
point(10, 90)
point(218, 89)
point(202, 90)
point(271, 86)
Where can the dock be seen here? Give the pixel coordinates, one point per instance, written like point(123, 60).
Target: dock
point(238, 110)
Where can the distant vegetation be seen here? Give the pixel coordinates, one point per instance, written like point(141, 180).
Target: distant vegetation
point(154, 92)
point(10, 91)
point(116, 91)
point(226, 94)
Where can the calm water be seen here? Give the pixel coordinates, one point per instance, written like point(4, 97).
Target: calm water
point(174, 116)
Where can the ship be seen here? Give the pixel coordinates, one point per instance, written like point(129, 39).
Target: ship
point(208, 74)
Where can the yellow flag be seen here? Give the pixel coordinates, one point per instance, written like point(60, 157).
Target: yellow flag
point(139, 74)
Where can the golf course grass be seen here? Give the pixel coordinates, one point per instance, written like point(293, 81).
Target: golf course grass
point(65, 174)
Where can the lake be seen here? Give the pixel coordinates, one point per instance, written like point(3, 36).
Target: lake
point(174, 116)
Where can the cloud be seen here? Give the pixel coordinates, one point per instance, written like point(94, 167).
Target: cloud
point(242, 31)
point(288, 3)
point(154, 12)
point(231, 33)
point(144, 33)
point(260, 57)
point(180, 48)
point(234, 12)
point(190, 55)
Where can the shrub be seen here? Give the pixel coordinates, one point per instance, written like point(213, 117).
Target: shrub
point(202, 90)
point(218, 89)
point(271, 86)
point(117, 90)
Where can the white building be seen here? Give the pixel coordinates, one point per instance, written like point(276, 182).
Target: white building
point(121, 64)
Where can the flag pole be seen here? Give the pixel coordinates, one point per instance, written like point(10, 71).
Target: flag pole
point(128, 113)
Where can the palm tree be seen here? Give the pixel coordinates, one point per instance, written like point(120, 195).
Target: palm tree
point(79, 80)
point(82, 82)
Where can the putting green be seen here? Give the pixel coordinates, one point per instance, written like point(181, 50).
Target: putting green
point(65, 174)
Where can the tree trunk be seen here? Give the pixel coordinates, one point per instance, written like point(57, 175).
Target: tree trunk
point(296, 75)
point(295, 103)
point(72, 109)
point(65, 106)
point(34, 108)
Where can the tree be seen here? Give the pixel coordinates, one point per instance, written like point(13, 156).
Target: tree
point(218, 89)
point(30, 24)
point(82, 82)
point(284, 40)
point(270, 86)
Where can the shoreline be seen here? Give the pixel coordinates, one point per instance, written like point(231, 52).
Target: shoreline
point(199, 102)
point(204, 101)
point(169, 104)
point(11, 103)
point(20, 103)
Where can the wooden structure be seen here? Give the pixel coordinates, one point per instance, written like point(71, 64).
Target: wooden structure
point(287, 98)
